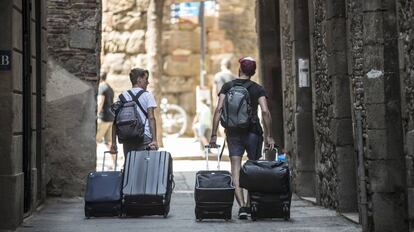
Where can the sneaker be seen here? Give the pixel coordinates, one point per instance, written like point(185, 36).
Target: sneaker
point(242, 213)
point(248, 211)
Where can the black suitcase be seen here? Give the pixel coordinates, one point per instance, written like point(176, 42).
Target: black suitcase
point(269, 186)
point(214, 193)
point(148, 183)
point(103, 193)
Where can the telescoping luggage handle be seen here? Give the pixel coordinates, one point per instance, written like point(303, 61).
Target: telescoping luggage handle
point(116, 160)
point(275, 149)
point(206, 148)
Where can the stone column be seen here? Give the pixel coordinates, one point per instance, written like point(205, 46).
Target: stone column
point(11, 173)
point(270, 66)
point(376, 91)
point(304, 137)
point(331, 96)
point(405, 11)
point(383, 113)
point(73, 68)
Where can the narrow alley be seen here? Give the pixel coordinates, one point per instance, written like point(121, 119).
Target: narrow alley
point(331, 82)
point(66, 215)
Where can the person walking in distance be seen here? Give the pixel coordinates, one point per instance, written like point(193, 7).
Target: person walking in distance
point(143, 105)
point(202, 122)
point(223, 76)
point(237, 112)
point(105, 117)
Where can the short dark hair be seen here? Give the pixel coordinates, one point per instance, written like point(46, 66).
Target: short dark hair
point(136, 72)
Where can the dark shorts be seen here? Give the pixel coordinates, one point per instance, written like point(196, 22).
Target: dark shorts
point(136, 146)
point(239, 142)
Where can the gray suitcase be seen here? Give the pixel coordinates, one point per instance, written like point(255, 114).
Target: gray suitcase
point(148, 183)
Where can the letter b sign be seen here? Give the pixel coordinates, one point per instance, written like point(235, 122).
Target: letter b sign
point(5, 60)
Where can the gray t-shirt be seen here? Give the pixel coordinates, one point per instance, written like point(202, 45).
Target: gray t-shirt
point(106, 114)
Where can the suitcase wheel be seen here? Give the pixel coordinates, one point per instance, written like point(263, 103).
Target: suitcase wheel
point(166, 211)
point(227, 216)
point(254, 210)
point(286, 212)
point(87, 214)
point(198, 216)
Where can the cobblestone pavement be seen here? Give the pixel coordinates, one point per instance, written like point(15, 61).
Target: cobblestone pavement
point(64, 215)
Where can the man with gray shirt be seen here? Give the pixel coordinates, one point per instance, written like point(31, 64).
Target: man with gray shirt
point(147, 103)
point(224, 76)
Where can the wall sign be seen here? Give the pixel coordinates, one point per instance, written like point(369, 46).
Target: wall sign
point(304, 80)
point(5, 60)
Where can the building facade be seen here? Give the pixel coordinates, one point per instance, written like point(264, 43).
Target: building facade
point(49, 66)
point(343, 74)
point(23, 73)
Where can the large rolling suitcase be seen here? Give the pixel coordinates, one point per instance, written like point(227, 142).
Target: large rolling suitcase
point(148, 183)
point(268, 183)
point(103, 192)
point(214, 193)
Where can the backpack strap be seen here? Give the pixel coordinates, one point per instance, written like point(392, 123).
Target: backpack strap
point(122, 98)
point(247, 84)
point(135, 99)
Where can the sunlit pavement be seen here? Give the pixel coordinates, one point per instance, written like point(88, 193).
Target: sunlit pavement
point(182, 150)
point(66, 215)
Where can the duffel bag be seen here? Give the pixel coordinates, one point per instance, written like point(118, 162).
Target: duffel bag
point(265, 176)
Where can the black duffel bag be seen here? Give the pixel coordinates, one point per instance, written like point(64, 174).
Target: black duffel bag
point(265, 176)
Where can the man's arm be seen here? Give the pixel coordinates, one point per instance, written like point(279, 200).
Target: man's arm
point(101, 100)
point(216, 120)
point(267, 121)
point(153, 127)
point(114, 147)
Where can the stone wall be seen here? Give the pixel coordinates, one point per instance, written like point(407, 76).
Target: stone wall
point(335, 157)
point(322, 84)
point(289, 81)
point(376, 93)
point(123, 36)
point(124, 26)
point(406, 50)
point(73, 65)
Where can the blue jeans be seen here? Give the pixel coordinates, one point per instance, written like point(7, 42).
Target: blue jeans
point(239, 142)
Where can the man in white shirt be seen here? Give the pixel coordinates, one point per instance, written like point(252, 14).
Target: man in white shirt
point(139, 81)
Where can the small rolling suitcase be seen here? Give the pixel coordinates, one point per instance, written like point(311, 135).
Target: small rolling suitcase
point(214, 193)
point(148, 183)
point(268, 183)
point(103, 192)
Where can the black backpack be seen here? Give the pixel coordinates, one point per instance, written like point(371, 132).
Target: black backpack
point(237, 111)
point(129, 124)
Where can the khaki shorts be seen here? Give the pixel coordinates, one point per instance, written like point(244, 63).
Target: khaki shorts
point(104, 132)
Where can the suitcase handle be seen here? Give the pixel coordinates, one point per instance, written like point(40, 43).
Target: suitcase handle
point(116, 160)
point(275, 149)
point(206, 147)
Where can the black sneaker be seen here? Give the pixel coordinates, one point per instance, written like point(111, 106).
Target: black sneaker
point(248, 211)
point(242, 213)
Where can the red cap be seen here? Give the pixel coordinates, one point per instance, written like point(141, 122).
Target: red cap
point(248, 66)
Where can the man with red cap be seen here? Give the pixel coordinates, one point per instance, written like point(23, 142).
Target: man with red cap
point(248, 139)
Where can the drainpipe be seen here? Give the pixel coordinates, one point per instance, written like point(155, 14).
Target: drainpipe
point(363, 202)
point(202, 43)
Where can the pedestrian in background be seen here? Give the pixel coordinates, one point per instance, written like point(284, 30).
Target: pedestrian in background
point(105, 117)
point(249, 138)
point(202, 122)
